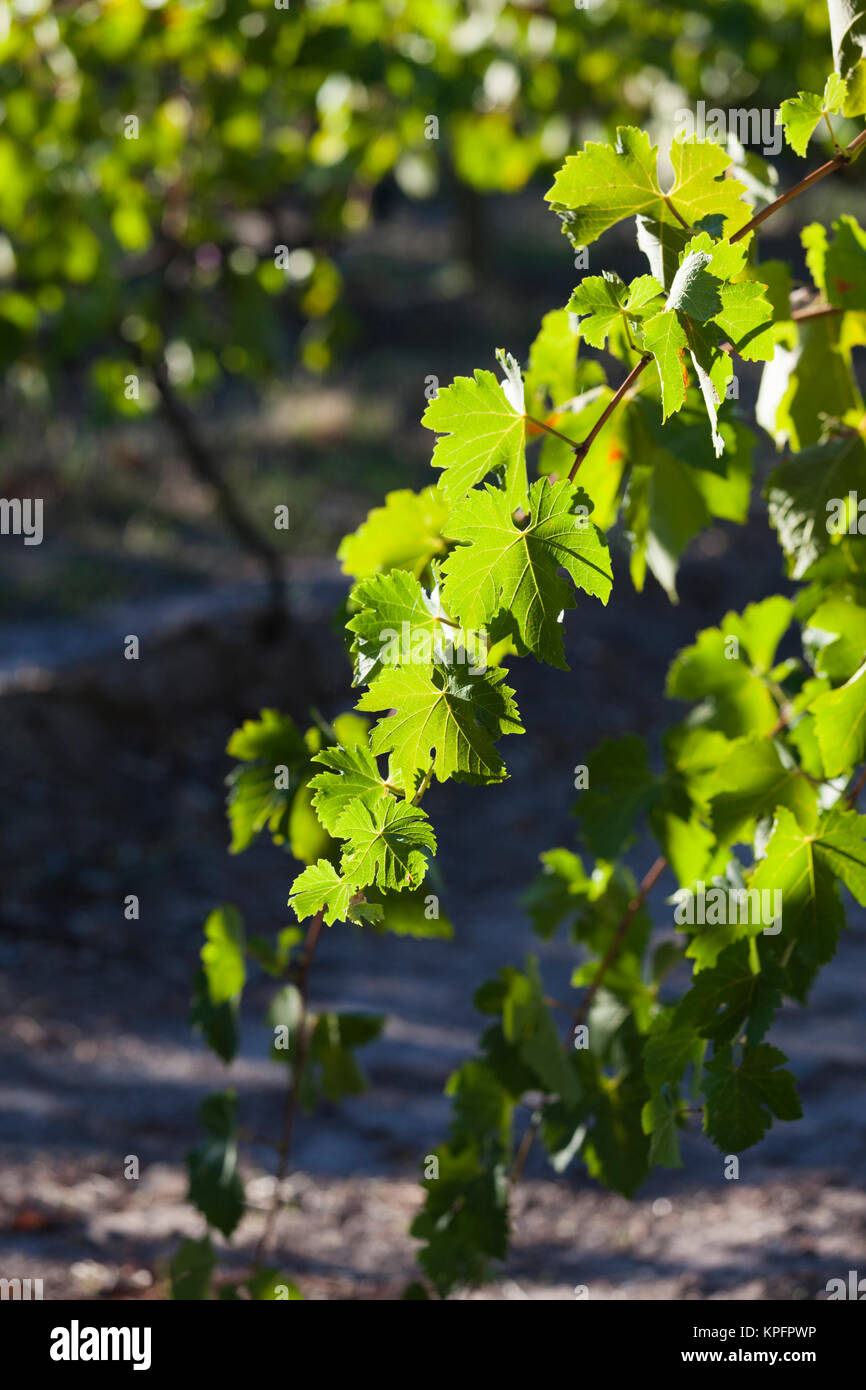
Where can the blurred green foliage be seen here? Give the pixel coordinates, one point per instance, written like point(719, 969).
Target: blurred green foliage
point(155, 156)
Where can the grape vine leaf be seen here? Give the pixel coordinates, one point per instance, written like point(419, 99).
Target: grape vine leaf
point(223, 954)
point(621, 786)
point(215, 1185)
point(845, 265)
point(387, 602)
point(665, 338)
point(254, 799)
point(385, 844)
point(503, 565)
point(840, 724)
point(658, 1119)
point(802, 866)
point(756, 776)
point(800, 115)
point(602, 184)
point(802, 489)
point(352, 774)
point(848, 34)
point(404, 534)
point(836, 636)
point(552, 362)
point(319, 887)
point(729, 995)
point(452, 712)
point(481, 428)
point(736, 700)
point(602, 300)
point(741, 1100)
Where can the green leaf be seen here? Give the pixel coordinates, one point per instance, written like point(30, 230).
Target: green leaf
point(399, 623)
point(223, 954)
point(732, 994)
point(481, 432)
point(713, 369)
point(836, 635)
point(678, 486)
point(552, 362)
point(352, 775)
point(191, 1270)
point(742, 1099)
point(261, 794)
point(840, 723)
point(737, 701)
point(621, 786)
point(799, 115)
point(744, 313)
point(411, 913)
point(385, 844)
point(802, 867)
point(308, 840)
point(318, 887)
point(665, 339)
point(848, 32)
point(658, 1119)
point(464, 1220)
point(217, 1023)
point(802, 490)
point(527, 1024)
point(599, 299)
point(669, 1050)
point(449, 713)
point(788, 406)
point(502, 565)
point(695, 291)
point(845, 265)
point(603, 184)
point(556, 892)
point(760, 628)
point(404, 534)
point(331, 1044)
point(755, 777)
point(215, 1185)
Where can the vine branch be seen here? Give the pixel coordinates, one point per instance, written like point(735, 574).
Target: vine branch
point(837, 162)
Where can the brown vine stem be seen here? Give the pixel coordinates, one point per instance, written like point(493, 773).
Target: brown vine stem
point(816, 311)
point(550, 430)
point(648, 882)
point(293, 1092)
point(816, 175)
point(581, 450)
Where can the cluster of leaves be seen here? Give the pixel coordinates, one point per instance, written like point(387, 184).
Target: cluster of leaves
point(751, 798)
point(749, 795)
point(278, 786)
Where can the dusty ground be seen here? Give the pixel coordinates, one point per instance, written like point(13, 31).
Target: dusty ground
point(122, 761)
